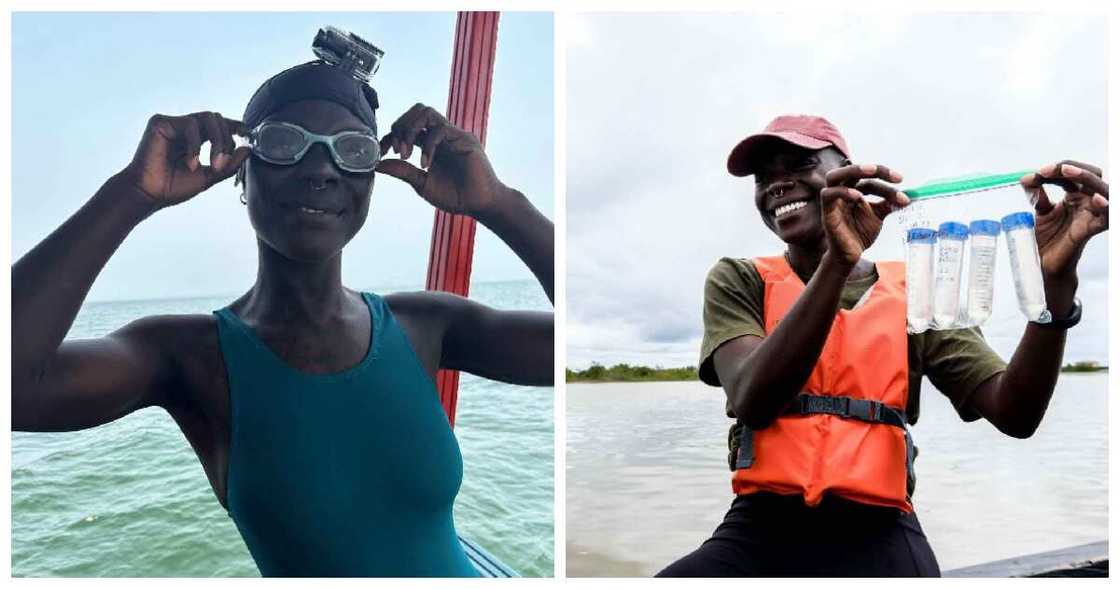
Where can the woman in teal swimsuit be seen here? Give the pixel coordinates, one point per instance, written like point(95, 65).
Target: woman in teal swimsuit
point(310, 406)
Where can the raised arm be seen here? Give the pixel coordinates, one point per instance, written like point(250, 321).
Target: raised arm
point(528, 233)
point(72, 385)
point(1016, 400)
point(762, 375)
point(456, 176)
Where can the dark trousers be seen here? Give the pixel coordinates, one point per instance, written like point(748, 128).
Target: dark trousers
point(765, 535)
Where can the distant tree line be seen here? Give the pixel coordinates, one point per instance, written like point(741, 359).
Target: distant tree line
point(628, 373)
point(1087, 366)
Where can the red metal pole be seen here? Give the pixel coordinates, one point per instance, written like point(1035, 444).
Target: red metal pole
point(468, 104)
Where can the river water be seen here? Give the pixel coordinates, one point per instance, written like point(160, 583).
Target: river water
point(647, 477)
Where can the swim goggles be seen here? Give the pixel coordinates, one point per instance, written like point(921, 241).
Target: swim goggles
point(285, 144)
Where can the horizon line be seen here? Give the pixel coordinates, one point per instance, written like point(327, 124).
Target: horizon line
point(415, 286)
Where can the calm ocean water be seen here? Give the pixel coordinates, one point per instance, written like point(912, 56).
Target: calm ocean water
point(647, 477)
point(129, 498)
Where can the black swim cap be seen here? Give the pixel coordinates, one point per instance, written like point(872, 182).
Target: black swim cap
point(314, 80)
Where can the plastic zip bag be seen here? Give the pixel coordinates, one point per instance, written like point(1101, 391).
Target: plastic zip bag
point(952, 231)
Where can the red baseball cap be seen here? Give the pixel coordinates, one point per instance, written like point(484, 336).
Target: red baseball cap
point(806, 131)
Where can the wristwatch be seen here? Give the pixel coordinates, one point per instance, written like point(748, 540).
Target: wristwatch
point(1068, 321)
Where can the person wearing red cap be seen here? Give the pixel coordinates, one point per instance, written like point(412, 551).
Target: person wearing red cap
point(811, 349)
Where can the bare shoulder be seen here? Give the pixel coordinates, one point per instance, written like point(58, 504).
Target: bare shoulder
point(429, 307)
point(171, 330)
point(425, 299)
point(453, 332)
point(425, 317)
point(190, 344)
point(174, 334)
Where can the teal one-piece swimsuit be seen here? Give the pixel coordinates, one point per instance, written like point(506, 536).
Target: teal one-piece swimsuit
point(347, 474)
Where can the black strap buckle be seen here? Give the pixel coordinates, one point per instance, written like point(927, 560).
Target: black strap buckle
point(865, 409)
point(745, 457)
point(847, 407)
point(823, 404)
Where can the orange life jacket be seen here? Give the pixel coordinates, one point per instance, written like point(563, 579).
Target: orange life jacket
point(847, 434)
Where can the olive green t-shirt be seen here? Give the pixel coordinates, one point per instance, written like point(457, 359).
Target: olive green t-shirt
point(956, 361)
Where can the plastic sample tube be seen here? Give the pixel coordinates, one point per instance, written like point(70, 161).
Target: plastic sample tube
point(1026, 268)
point(919, 278)
point(981, 269)
point(951, 238)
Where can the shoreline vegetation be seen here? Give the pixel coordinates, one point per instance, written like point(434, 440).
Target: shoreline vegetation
point(630, 373)
point(1085, 367)
point(627, 373)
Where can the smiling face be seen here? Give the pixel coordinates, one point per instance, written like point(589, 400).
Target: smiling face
point(309, 210)
point(788, 183)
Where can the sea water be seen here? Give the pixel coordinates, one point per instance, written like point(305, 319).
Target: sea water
point(129, 498)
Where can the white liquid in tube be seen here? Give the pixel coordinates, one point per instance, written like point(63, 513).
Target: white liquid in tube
point(1026, 268)
point(984, 236)
point(919, 279)
point(951, 239)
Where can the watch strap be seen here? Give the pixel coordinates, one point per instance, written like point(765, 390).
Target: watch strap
point(1068, 321)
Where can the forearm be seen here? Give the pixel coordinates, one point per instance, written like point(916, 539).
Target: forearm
point(1025, 389)
point(528, 233)
point(50, 282)
point(776, 372)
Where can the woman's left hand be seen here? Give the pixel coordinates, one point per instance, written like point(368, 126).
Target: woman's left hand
point(1063, 228)
point(454, 174)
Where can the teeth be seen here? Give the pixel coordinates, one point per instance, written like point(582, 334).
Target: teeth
point(789, 208)
point(311, 210)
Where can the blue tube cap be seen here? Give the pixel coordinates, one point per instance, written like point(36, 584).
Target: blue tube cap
point(952, 230)
point(984, 227)
point(1016, 220)
point(921, 235)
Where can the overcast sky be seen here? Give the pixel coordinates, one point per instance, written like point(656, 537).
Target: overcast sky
point(656, 102)
point(83, 86)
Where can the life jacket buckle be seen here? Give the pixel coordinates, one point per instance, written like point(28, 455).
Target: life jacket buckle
point(823, 404)
point(745, 456)
point(876, 412)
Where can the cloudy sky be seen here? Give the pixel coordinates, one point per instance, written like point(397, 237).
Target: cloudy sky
point(655, 103)
point(83, 86)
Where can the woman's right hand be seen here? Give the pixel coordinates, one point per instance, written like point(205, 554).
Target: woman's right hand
point(166, 168)
point(851, 222)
